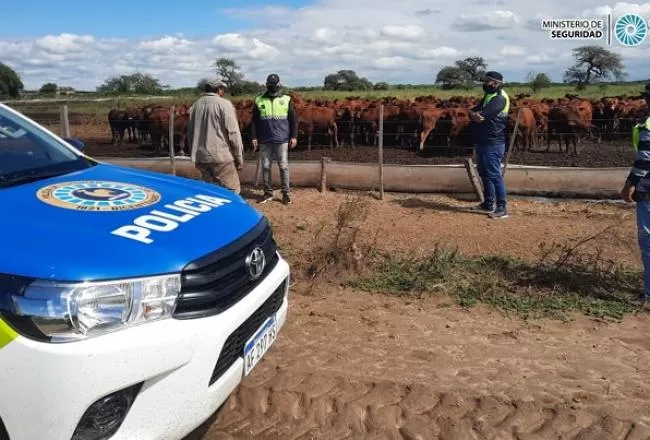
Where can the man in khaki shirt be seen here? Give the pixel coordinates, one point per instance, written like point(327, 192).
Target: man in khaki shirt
point(215, 140)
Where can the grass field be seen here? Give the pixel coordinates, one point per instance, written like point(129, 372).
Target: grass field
point(101, 107)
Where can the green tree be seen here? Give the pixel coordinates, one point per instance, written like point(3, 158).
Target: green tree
point(382, 85)
point(201, 85)
point(229, 71)
point(538, 81)
point(463, 74)
point(10, 83)
point(137, 83)
point(452, 77)
point(49, 89)
point(346, 80)
point(244, 87)
point(594, 64)
point(474, 67)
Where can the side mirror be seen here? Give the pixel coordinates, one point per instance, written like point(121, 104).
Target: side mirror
point(78, 144)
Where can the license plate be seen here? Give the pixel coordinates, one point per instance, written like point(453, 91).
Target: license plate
point(259, 344)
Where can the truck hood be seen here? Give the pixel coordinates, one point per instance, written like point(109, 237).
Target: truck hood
point(110, 222)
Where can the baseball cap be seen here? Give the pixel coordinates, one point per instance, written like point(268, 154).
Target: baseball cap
point(492, 75)
point(215, 82)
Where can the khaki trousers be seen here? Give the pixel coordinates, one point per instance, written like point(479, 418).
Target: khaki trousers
point(222, 174)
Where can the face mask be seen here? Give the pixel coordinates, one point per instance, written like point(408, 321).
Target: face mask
point(488, 88)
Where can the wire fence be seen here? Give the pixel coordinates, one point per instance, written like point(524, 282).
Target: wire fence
point(559, 136)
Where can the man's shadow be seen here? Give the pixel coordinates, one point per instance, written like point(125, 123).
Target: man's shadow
point(416, 203)
point(253, 196)
point(250, 194)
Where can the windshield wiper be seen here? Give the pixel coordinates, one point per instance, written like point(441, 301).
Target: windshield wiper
point(33, 177)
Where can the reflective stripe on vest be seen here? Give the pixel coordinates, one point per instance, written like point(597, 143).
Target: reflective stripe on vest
point(491, 96)
point(7, 334)
point(641, 133)
point(277, 108)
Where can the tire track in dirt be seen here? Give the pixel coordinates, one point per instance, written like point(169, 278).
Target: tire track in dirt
point(293, 405)
point(354, 365)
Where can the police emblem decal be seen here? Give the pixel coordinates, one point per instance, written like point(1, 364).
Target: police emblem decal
point(93, 195)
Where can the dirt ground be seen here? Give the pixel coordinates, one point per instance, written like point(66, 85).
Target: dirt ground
point(368, 366)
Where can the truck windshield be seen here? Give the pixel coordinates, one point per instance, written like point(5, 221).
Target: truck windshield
point(28, 153)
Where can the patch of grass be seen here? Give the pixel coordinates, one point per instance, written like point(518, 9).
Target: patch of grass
point(339, 249)
point(567, 278)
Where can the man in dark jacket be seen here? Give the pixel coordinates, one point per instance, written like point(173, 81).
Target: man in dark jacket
point(489, 122)
point(274, 129)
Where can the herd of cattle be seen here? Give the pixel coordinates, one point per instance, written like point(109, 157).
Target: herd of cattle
point(408, 123)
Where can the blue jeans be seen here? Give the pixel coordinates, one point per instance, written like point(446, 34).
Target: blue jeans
point(643, 234)
point(488, 158)
point(279, 153)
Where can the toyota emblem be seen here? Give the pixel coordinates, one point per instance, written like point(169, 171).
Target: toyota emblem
point(255, 263)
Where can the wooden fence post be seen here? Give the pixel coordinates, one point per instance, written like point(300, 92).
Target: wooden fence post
point(323, 173)
point(474, 179)
point(381, 152)
point(65, 121)
point(172, 156)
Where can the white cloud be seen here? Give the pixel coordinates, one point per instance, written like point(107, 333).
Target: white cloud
point(619, 9)
point(64, 43)
point(406, 41)
point(440, 52)
point(165, 44)
point(247, 48)
point(483, 21)
point(390, 62)
point(513, 51)
point(409, 31)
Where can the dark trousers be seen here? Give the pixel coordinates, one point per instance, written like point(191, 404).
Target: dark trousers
point(488, 164)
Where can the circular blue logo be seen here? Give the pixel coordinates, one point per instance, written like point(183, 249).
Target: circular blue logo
point(97, 196)
point(631, 30)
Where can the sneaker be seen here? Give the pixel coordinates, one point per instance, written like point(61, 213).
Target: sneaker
point(484, 208)
point(286, 199)
point(265, 198)
point(499, 213)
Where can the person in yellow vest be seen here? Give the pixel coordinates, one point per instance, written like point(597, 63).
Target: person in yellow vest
point(637, 188)
point(489, 122)
point(274, 129)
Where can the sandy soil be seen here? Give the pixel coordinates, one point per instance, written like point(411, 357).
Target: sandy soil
point(355, 365)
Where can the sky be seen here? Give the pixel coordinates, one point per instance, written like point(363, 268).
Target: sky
point(403, 41)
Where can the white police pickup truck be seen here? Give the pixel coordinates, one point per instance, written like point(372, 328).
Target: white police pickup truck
point(132, 303)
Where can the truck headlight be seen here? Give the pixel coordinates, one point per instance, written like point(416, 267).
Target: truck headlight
point(71, 311)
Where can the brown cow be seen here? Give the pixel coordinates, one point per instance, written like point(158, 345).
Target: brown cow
point(310, 117)
point(119, 122)
point(159, 126)
point(429, 118)
point(565, 124)
point(526, 135)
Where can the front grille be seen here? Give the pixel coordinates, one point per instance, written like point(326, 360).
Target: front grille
point(233, 348)
point(217, 281)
